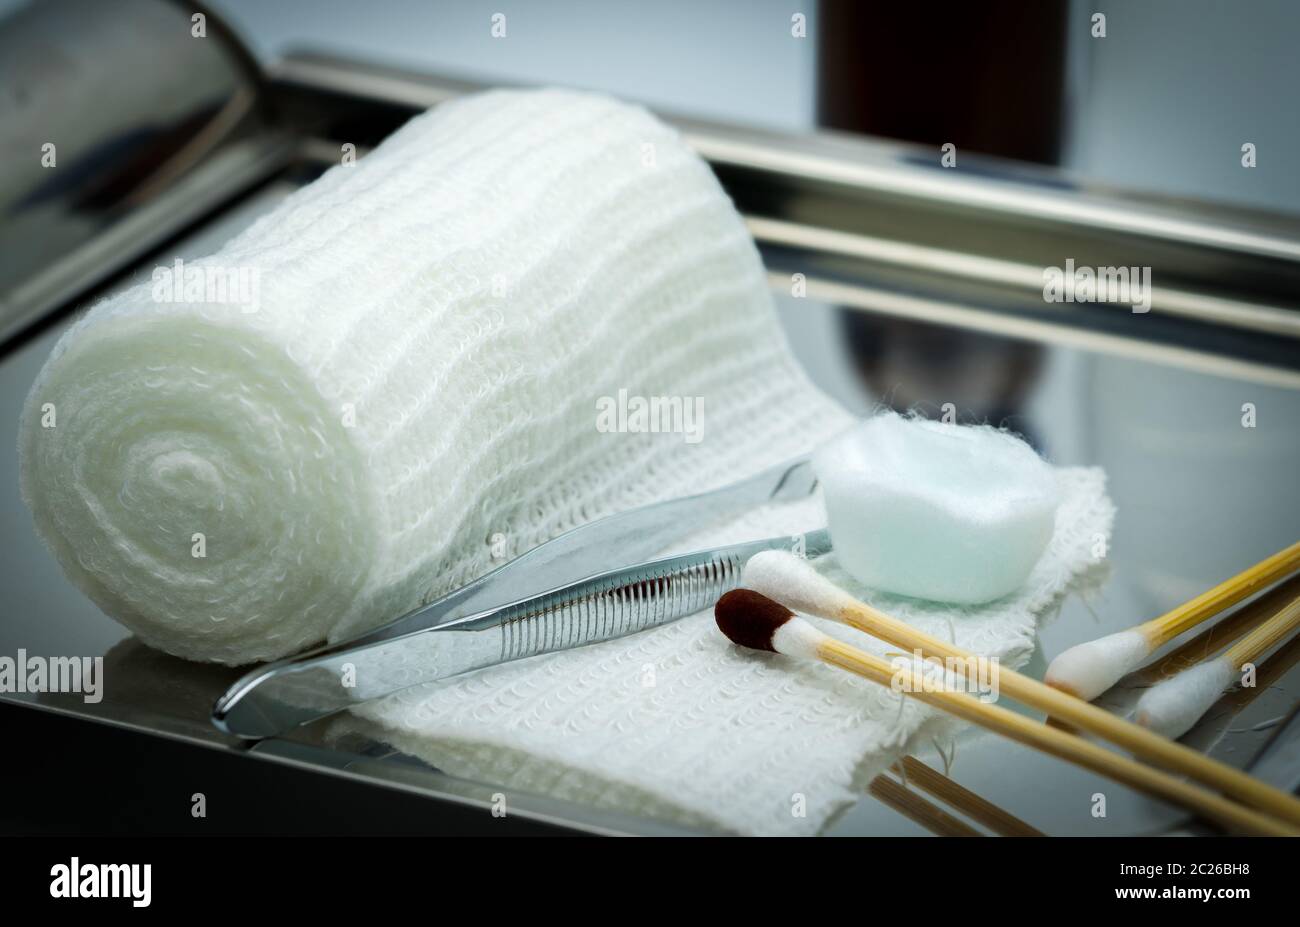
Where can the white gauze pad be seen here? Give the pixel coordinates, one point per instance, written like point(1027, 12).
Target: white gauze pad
point(942, 512)
point(415, 395)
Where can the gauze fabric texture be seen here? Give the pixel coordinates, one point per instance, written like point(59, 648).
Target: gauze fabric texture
point(414, 400)
point(418, 376)
point(678, 724)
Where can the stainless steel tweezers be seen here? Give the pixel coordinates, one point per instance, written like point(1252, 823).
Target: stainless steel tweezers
point(571, 591)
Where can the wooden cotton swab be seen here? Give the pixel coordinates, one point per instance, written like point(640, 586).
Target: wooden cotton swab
point(898, 794)
point(1220, 635)
point(1174, 706)
point(936, 820)
point(1281, 662)
point(752, 620)
point(793, 581)
point(1089, 669)
point(999, 820)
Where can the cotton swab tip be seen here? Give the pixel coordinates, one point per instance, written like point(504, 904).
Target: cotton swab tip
point(1089, 669)
point(1173, 707)
point(750, 619)
point(782, 576)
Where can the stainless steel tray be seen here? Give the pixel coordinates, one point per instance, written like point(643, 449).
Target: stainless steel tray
point(951, 257)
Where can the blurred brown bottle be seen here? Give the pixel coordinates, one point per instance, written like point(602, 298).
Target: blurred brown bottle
point(987, 76)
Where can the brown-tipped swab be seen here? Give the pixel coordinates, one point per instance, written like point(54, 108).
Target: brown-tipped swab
point(758, 623)
point(1089, 669)
point(796, 637)
point(794, 582)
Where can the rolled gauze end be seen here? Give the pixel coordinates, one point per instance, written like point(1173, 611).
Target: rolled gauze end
point(935, 511)
point(407, 362)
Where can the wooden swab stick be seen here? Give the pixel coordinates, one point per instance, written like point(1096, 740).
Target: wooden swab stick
point(915, 808)
point(998, 820)
point(1089, 669)
point(899, 795)
point(1270, 673)
point(794, 582)
point(1267, 636)
point(755, 621)
point(1174, 706)
point(1215, 638)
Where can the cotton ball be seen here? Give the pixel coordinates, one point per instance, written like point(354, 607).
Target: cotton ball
point(943, 512)
point(1174, 706)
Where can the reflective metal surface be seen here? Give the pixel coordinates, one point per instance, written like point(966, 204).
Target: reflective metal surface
point(1157, 399)
point(104, 159)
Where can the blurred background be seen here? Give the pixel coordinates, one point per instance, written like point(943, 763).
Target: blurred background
point(1158, 104)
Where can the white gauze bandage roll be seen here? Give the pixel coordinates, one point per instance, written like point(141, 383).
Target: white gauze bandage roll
point(418, 374)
